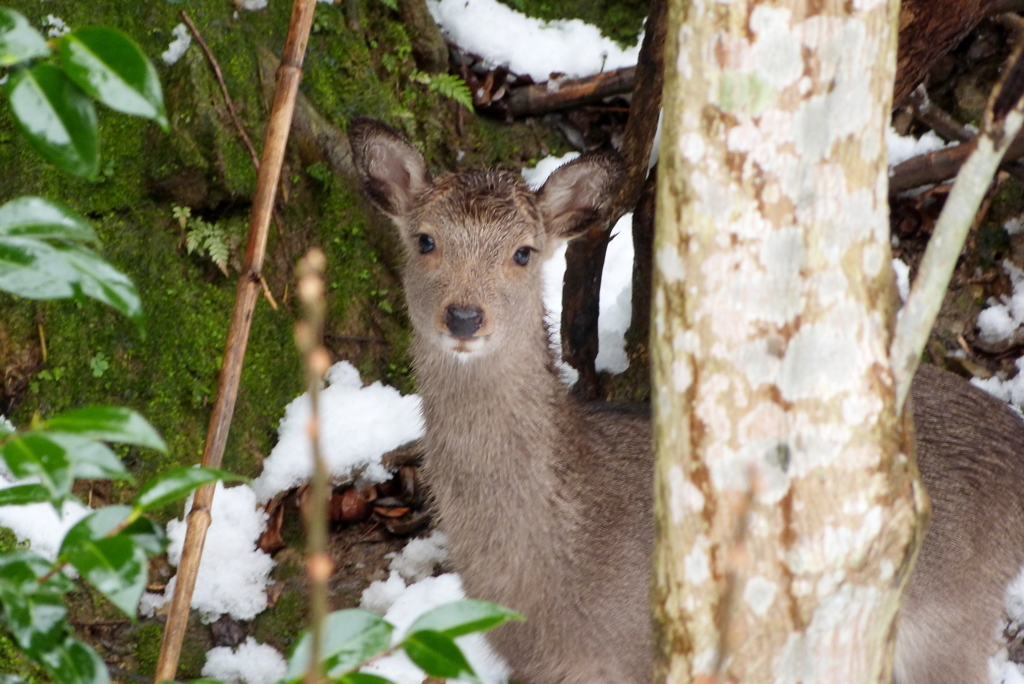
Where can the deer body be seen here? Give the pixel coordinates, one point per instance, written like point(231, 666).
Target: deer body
point(547, 504)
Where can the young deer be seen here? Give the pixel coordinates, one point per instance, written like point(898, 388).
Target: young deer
point(547, 504)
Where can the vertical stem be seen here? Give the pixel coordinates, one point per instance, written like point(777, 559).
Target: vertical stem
point(248, 291)
point(309, 334)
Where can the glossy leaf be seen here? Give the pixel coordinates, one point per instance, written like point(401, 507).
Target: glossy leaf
point(34, 612)
point(143, 531)
point(38, 270)
point(77, 663)
point(43, 219)
point(438, 656)
point(57, 118)
point(177, 484)
point(19, 42)
point(110, 67)
point(20, 495)
point(464, 617)
point(115, 565)
point(362, 678)
point(32, 454)
point(110, 424)
point(351, 637)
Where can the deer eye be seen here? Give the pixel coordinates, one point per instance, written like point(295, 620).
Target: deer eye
point(426, 243)
point(522, 255)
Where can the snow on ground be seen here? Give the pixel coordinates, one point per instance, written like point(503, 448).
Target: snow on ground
point(38, 524)
point(358, 424)
point(409, 592)
point(503, 36)
point(233, 573)
point(182, 41)
point(250, 663)
point(1001, 319)
point(903, 147)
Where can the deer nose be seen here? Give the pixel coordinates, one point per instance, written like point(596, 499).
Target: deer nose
point(463, 322)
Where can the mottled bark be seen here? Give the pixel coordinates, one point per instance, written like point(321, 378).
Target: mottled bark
point(784, 493)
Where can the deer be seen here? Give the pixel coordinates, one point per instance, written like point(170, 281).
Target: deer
point(547, 503)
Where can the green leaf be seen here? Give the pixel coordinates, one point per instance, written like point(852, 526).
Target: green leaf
point(143, 531)
point(351, 637)
point(177, 484)
point(77, 663)
point(464, 617)
point(34, 612)
point(115, 565)
point(90, 460)
point(32, 454)
point(362, 678)
point(19, 42)
point(57, 118)
point(150, 536)
point(109, 423)
point(19, 495)
point(110, 67)
point(438, 656)
point(43, 219)
point(37, 270)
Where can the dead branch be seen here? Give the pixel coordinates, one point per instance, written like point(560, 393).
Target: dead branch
point(248, 292)
point(550, 96)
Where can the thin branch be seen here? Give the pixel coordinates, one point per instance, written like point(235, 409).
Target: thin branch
point(550, 96)
point(223, 89)
point(278, 223)
point(1001, 124)
point(309, 334)
point(936, 118)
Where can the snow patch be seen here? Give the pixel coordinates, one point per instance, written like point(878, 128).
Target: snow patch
point(250, 663)
point(529, 46)
point(357, 425)
point(182, 41)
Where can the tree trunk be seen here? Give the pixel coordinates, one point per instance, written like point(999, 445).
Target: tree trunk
point(784, 502)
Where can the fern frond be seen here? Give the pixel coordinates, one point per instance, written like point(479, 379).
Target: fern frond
point(454, 87)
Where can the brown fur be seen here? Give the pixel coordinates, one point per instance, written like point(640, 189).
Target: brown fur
point(547, 504)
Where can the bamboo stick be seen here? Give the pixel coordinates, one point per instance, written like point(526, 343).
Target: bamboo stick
point(198, 521)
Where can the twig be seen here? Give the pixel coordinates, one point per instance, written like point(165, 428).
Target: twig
point(309, 334)
point(267, 294)
point(223, 89)
point(278, 223)
point(1003, 119)
point(238, 333)
point(938, 119)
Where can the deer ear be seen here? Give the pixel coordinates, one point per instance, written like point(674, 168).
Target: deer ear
point(580, 193)
point(393, 172)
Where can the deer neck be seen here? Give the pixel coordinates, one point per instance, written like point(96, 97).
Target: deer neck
point(501, 431)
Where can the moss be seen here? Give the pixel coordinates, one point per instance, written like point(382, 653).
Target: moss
point(620, 20)
point(12, 663)
point(8, 541)
point(281, 626)
point(147, 647)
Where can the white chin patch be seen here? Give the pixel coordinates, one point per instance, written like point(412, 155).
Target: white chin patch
point(462, 348)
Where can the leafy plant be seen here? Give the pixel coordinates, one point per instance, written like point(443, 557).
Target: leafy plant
point(208, 239)
point(45, 254)
point(354, 638)
point(44, 246)
point(448, 85)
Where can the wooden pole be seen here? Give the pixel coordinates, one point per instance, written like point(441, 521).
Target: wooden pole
point(249, 288)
